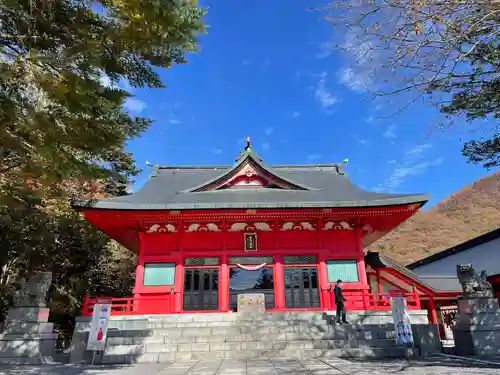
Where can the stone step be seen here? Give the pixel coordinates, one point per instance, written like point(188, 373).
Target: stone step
point(245, 345)
point(389, 352)
point(215, 338)
point(11, 328)
point(256, 330)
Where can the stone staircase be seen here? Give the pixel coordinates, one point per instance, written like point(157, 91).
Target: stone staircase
point(212, 336)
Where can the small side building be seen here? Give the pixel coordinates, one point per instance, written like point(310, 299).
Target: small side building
point(482, 252)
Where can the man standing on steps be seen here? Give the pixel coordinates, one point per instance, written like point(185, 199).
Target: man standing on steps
point(339, 301)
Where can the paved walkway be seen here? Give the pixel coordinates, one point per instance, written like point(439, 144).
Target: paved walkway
point(434, 366)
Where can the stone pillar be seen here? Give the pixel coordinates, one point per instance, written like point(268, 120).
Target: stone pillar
point(477, 328)
point(27, 336)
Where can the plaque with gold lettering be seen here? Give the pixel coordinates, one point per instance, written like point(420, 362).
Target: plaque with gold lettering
point(250, 241)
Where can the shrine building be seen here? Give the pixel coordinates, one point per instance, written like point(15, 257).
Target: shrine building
point(203, 235)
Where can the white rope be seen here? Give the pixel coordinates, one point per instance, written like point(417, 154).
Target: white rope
point(254, 268)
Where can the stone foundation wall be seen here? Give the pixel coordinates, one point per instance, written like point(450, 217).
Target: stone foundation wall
point(144, 338)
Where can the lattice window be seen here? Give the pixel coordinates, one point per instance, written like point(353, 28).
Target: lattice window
point(201, 262)
point(250, 260)
point(159, 274)
point(342, 269)
point(300, 259)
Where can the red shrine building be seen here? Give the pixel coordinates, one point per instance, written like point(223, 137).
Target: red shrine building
point(203, 235)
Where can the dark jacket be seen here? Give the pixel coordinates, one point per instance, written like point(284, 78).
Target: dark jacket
point(339, 297)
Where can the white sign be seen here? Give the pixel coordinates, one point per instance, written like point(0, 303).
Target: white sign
point(99, 325)
point(402, 322)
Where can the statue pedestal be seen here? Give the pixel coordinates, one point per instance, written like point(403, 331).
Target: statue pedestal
point(27, 336)
point(477, 329)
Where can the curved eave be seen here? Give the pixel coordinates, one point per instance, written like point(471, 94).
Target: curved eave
point(110, 205)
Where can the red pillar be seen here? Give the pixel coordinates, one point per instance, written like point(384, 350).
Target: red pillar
point(224, 285)
point(326, 295)
point(361, 264)
point(279, 281)
point(179, 284)
point(434, 319)
point(139, 269)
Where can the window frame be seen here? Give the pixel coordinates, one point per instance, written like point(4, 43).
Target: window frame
point(145, 266)
point(345, 260)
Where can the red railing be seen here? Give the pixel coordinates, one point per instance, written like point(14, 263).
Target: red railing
point(363, 300)
point(133, 306)
point(356, 300)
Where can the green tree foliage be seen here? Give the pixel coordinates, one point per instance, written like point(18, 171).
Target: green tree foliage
point(62, 123)
point(446, 53)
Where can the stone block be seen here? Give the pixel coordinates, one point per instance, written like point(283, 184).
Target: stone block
point(195, 347)
point(161, 348)
point(426, 337)
point(211, 339)
point(120, 341)
point(15, 327)
point(477, 305)
point(197, 331)
point(129, 350)
point(256, 345)
point(19, 348)
point(221, 346)
point(28, 314)
point(226, 331)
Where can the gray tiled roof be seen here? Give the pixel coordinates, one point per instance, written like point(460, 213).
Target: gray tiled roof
point(442, 283)
point(170, 188)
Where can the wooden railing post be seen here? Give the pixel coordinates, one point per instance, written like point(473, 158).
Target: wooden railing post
point(416, 297)
point(85, 305)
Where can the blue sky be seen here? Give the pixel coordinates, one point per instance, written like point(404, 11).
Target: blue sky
point(263, 71)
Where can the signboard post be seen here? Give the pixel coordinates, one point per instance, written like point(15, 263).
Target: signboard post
point(99, 326)
point(402, 322)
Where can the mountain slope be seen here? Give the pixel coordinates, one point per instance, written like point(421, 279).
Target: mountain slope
point(468, 213)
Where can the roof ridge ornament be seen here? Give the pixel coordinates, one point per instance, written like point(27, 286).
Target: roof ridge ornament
point(247, 147)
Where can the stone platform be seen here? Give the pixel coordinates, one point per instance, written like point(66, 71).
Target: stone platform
point(477, 330)
point(27, 336)
point(302, 335)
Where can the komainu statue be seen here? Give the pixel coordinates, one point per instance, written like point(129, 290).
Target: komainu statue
point(473, 285)
point(33, 293)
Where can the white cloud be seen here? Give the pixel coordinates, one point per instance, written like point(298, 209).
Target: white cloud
point(370, 119)
point(134, 105)
point(314, 157)
point(411, 166)
point(266, 146)
point(363, 142)
point(174, 121)
point(399, 174)
point(325, 97)
point(417, 151)
point(269, 130)
point(357, 75)
point(295, 114)
point(325, 51)
point(355, 80)
point(390, 132)
point(218, 151)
